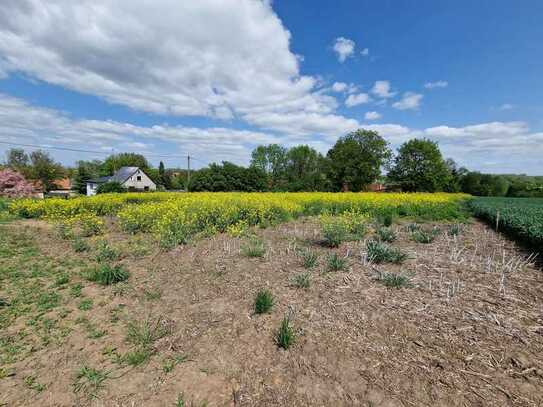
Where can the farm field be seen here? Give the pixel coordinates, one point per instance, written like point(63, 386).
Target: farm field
point(522, 218)
point(265, 299)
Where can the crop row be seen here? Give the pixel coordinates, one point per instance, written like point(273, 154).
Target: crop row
point(520, 217)
point(176, 217)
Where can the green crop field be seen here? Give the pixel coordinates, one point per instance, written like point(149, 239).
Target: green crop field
point(520, 217)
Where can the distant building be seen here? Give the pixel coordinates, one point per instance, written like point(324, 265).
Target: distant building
point(132, 178)
point(63, 189)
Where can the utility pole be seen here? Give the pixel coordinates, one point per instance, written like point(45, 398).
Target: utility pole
point(188, 172)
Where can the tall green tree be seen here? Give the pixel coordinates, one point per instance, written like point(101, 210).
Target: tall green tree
point(272, 159)
point(45, 169)
point(356, 160)
point(116, 161)
point(85, 171)
point(305, 169)
point(419, 166)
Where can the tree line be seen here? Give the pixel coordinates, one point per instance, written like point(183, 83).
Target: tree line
point(355, 162)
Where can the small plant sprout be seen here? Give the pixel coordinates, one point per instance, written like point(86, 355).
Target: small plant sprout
point(386, 219)
point(413, 227)
point(263, 302)
point(284, 338)
point(379, 252)
point(108, 275)
point(254, 248)
point(309, 258)
point(302, 280)
point(335, 262)
point(386, 234)
point(393, 280)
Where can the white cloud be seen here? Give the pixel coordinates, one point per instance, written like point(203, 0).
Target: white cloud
point(344, 48)
point(27, 124)
point(164, 56)
point(437, 84)
point(358, 99)
point(339, 87)
point(409, 101)
point(506, 106)
point(365, 52)
point(382, 89)
point(512, 144)
point(372, 116)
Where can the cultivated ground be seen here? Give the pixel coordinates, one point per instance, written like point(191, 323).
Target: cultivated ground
point(467, 330)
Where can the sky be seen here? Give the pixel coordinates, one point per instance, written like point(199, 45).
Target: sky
point(215, 78)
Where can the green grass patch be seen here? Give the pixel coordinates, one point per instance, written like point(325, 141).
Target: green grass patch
point(263, 302)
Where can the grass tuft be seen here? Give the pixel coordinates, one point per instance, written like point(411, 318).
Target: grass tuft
point(302, 280)
point(386, 234)
point(107, 275)
point(379, 252)
point(263, 302)
point(393, 280)
point(105, 253)
point(80, 246)
point(89, 380)
point(309, 258)
point(335, 262)
point(254, 248)
point(285, 337)
point(424, 236)
point(454, 230)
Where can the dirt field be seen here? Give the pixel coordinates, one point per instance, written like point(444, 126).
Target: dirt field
point(467, 330)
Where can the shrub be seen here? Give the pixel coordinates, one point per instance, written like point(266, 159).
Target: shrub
point(107, 275)
point(379, 252)
point(309, 258)
point(254, 248)
point(393, 280)
point(263, 302)
point(386, 234)
point(110, 187)
point(335, 262)
point(284, 338)
point(302, 280)
point(334, 233)
point(386, 219)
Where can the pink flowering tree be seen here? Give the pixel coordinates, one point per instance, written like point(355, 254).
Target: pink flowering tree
point(14, 185)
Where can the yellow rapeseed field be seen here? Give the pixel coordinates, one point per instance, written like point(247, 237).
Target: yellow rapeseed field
point(175, 217)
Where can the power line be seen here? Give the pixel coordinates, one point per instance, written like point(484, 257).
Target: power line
point(77, 150)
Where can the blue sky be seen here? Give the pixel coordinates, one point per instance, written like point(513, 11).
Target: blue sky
point(216, 78)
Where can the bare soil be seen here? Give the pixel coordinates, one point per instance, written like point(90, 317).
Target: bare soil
point(467, 331)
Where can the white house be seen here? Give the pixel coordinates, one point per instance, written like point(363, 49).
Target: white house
point(132, 178)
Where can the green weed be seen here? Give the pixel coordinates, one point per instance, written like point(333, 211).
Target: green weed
point(309, 258)
point(385, 234)
point(254, 248)
point(393, 280)
point(107, 275)
point(285, 337)
point(263, 302)
point(89, 380)
point(335, 262)
point(379, 252)
point(302, 280)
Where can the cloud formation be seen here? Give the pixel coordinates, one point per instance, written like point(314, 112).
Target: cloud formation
point(344, 48)
point(372, 116)
point(358, 99)
point(437, 84)
point(409, 101)
point(165, 58)
point(510, 144)
point(382, 89)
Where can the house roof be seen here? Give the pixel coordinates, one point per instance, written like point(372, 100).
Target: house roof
point(64, 183)
point(120, 176)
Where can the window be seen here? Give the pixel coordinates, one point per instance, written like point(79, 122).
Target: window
point(138, 178)
point(146, 188)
